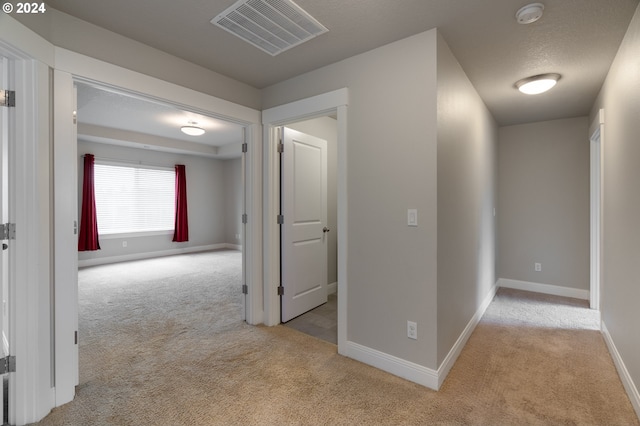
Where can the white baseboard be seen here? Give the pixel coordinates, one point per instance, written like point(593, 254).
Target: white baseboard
point(453, 354)
point(545, 288)
point(414, 372)
point(397, 366)
point(233, 246)
point(332, 288)
point(149, 255)
point(627, 381)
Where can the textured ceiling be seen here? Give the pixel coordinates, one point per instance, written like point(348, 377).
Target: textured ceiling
point(576, 38)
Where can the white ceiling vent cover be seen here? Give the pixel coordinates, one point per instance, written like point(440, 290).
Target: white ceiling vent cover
point(270, 25)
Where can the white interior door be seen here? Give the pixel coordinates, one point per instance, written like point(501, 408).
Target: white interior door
point(304, 209)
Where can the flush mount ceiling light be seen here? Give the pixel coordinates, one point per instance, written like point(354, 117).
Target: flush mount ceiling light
point(538, 83)
point(529, 13)
point(270, 25)
point(192, 129)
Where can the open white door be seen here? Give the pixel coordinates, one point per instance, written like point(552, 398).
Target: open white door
point(4, 215)
point(304, 224)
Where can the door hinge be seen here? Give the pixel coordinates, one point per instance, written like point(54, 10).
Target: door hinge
point(75, 337)
point(8, 365)
point(280, 219)
point(280, 291)
point(7, 98)
point(245, 147)
point(280, 147)
point(245, 289)
point(245, 218)
point(8, 231)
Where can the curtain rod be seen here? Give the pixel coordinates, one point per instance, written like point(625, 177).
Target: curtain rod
point(139, 162)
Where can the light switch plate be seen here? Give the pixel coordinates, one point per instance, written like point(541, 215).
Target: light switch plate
point(412, 217)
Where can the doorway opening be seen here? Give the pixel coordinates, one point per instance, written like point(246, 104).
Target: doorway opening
point(141, 283)
point(331, 104)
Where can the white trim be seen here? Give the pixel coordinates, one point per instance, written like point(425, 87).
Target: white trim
point(595, 194)
point(625, 377)
point(332, 288)
point(556, 290)
point(150, 255)
point(391, 364)
point(453, 354)
point(303, 109)
point(65, 215)
point(122, 79)
point(233, 246)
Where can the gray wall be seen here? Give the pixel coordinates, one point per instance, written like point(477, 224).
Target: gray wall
point(80, 36)
point(620, 98)
point(391, 167)
point(207, 194)
point(467, 187)
point(326, 128)
point(544, 202)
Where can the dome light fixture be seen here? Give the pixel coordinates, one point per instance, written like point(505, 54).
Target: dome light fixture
point(192, 129)
point(530, 13)
point(537, 84)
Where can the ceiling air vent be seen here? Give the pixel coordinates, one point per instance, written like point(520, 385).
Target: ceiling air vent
point(270, 25)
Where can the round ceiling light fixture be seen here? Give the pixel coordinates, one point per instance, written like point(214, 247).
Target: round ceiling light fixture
point(537, 84)
point(192, 129)
point(529, 13)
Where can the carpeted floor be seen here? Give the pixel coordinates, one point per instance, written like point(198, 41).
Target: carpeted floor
point(160, 349)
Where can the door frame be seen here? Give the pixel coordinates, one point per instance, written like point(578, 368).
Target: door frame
point(335, 102)
point(71, 66)
point(596, 140)
point(31, 392)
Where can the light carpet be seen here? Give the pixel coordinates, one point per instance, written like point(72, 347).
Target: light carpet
point(162, 343)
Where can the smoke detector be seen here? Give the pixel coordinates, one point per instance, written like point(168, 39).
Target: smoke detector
point(270, 25)
point(529, 13)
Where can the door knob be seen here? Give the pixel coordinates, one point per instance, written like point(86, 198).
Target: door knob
point(325, 229)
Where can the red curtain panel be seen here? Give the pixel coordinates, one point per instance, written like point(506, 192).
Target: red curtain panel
point(181, 229)
point(88, 239)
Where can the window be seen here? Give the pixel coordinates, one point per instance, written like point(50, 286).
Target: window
point(134, 199)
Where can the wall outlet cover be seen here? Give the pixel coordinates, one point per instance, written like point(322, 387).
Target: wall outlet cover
point(412, 330)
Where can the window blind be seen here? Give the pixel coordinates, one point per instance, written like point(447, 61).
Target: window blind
point(134, 199)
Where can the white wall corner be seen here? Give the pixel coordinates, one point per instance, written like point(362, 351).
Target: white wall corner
point(397, 366)
point(627, 381)
point(453, 354)
point(555, 290)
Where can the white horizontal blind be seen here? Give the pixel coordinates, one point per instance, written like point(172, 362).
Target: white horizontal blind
point(134, 199)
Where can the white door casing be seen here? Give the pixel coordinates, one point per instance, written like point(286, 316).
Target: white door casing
point(596, 131)
point(304, 208)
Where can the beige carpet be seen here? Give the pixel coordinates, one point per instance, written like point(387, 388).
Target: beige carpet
point(172, 350)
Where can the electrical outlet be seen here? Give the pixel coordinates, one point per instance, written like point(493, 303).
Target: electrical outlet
point(412, 330)
point(537, 267)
